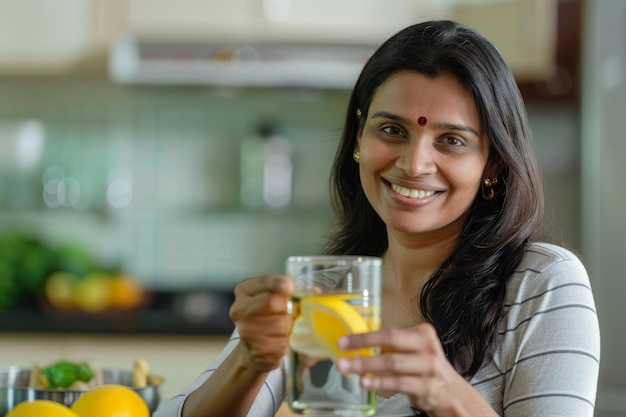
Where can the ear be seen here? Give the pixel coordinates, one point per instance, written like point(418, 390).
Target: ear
point(357, 144)
point(494, 167)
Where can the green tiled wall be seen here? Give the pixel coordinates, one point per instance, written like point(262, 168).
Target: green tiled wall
point(180, 150)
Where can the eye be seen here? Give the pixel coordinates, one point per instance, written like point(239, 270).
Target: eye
point(453, 144)
point(392, 130)
point(392, 133)
point(453, 141)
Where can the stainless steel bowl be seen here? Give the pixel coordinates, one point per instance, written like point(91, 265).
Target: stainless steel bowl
point(14, 388)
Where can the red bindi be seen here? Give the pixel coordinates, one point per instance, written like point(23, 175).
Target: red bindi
point(422, 121)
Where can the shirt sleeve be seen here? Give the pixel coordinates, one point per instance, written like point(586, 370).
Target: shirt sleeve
point(554, 370)
point(266, 403)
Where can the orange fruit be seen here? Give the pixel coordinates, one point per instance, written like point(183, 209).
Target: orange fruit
point(111, 400)
point(124, 292)
point(41, 408)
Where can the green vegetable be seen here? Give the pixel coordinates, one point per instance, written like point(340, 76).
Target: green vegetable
point(63, 374)
point(26, 261)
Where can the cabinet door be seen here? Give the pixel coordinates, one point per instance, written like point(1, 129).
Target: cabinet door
point(41, 33)
point(525, 32)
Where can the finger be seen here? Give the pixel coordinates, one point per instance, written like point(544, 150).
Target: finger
point(261, 304)
point(267, 283)
point(389, 364)
point(422, 393)
point(269, 303)
point(420, 338)
point(392, 383)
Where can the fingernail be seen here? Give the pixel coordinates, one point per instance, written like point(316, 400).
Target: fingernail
point(366, 382)
point(343, 365)
point(342, 342)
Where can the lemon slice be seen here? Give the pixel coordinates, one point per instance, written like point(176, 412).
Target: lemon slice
point(304, 341)
point(331, 317)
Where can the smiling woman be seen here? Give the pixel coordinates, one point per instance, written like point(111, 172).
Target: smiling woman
point(435, 173)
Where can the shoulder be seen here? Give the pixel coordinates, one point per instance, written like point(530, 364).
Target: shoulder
point(549, 260)
point(545, 271)
point(548, 302)
point(541, 256)
point(549, 321)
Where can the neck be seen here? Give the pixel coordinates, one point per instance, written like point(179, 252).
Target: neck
point(408, 264)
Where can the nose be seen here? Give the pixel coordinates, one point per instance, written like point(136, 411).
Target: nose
point(418, 157)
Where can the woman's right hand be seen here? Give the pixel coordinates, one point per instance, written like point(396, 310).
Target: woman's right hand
point(262, 320)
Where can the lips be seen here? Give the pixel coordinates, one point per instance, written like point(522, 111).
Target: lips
point(412, 192)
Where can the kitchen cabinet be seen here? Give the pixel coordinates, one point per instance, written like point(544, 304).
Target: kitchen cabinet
point(308, 21)
point(56, 39)
point(34, 32)
point(73, 38)
point(305, 43)
point(523, 30)
point(169, 44)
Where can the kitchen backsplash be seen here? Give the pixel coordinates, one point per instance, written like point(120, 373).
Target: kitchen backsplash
point(152, 177)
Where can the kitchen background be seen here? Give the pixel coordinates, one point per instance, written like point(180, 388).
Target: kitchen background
point(188, 144)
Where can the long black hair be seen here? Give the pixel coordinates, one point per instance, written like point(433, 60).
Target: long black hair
point(464, 298)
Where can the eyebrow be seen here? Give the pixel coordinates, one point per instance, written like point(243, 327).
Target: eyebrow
point(437, 126)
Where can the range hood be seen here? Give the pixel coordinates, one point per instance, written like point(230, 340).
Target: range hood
point(263, 64)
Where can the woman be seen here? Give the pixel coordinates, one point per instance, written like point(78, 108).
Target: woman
point(436, 174)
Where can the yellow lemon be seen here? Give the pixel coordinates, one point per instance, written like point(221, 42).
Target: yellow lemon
point(111, 400)
point(324, 319)
point(41, 408)
point(58, 289)
point(92, 292)
point(304, 341)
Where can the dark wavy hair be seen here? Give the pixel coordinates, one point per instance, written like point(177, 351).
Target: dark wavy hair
point(464, 297)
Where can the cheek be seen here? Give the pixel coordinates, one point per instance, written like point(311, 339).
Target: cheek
point(375, 155)
point(467, 173)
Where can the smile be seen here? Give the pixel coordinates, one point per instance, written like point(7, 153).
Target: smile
point(411, 193)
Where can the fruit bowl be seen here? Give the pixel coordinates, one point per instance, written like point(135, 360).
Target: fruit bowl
point(14, 388)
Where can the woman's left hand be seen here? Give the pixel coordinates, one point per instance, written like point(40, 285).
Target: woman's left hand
point(412, 361)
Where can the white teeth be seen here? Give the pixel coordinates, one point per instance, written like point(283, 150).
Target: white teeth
point(411, 193)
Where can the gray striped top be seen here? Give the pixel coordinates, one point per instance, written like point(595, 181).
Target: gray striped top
point(547, 360)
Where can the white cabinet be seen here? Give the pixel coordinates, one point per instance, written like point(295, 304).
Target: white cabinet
point(334, 21)
point(39, 32)
point(60, 37)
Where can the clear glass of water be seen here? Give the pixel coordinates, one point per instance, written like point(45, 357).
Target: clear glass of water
point(334, 296)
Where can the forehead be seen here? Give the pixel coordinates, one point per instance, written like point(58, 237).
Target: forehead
point(411, 94)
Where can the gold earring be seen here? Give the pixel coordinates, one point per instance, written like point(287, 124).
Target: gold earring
point(357, 156)
point(487, 189)
point(359, 113)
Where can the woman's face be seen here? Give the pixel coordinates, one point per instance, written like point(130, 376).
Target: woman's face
point(423, 154)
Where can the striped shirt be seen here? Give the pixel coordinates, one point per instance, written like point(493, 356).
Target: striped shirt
point(546, 362)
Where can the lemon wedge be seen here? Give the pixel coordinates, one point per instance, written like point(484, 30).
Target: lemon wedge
point(324, 319)
point(304, 341)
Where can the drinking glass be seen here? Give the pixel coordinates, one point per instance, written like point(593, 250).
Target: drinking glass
point(334, 296)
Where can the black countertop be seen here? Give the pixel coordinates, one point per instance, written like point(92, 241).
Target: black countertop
point(198, 312)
